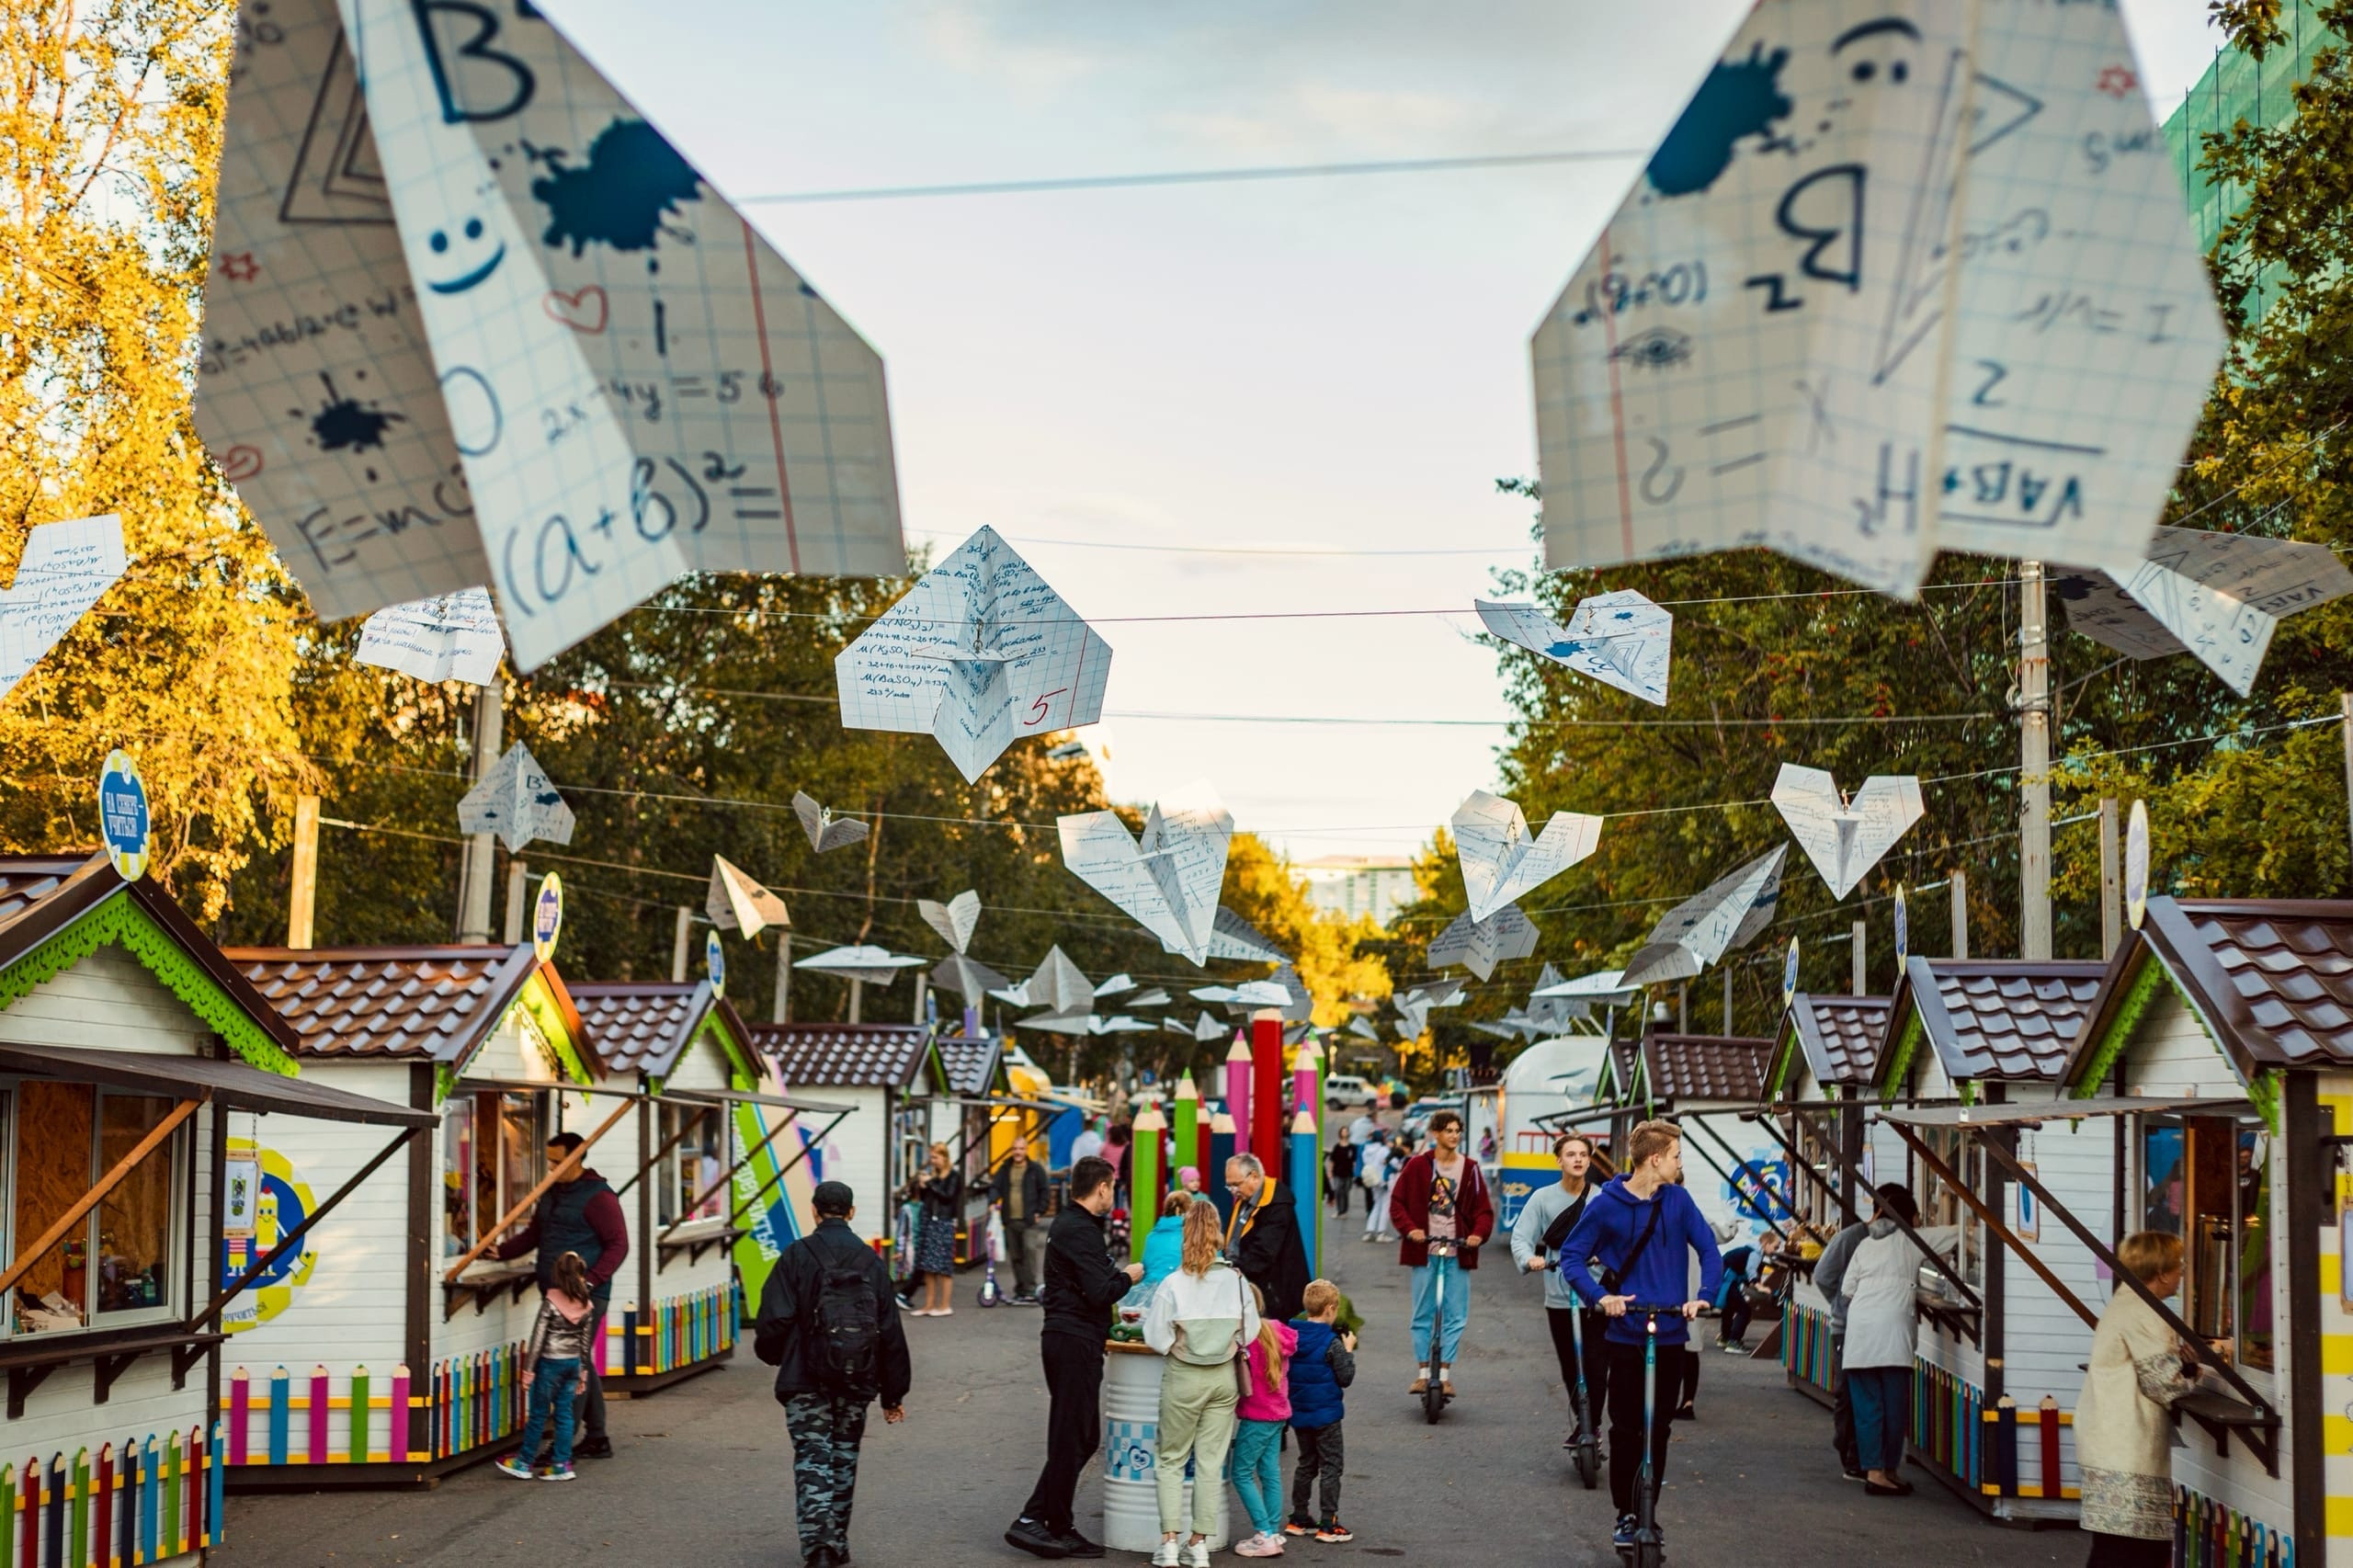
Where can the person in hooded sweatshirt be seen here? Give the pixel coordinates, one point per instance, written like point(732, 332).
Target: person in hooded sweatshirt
point(1163, 1244)
point(579, 1214)
point(1640, 1234)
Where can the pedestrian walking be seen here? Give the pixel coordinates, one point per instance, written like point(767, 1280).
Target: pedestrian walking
point(1200, 1318)
point(1260, 1415)
point(552, 1354)
point(1263, 1237)
point(828, 1323)
point(1340, 1174)
point(1163, 1244)
point(939, 1188)
point(1635, 1244)
point(1323, 1363)
point(1020, 1193)
point(1544, 1224)
point(1441, 1195)
point(578, 1214)
point(1882, 1287)
point(2123, 1426)
point(1082, 1286)
point(1830, 1277)
point(1088, 1144)
point(1372, 1174)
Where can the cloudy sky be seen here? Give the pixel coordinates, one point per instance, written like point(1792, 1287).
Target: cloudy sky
point(1335, 365)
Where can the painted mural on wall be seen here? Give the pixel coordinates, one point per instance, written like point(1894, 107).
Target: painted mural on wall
point(264, 1200)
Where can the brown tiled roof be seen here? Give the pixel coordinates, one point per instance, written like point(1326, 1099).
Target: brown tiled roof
point(1687, 1067)
point(26, 880)
point(640, 1027)
point(2006, 1018)
point(1841, 1035)
point(971, 1065)
point(427, 1003)
point(2273, 976)
point(843, 1055)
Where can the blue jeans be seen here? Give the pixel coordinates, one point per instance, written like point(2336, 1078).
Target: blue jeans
point(1883, 1397)
point(1258, 1474)
point(1457, 1309)
point(550, 1391)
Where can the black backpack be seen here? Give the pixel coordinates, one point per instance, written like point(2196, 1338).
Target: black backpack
point(849, 1329)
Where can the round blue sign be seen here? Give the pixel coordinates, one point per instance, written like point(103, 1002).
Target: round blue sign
point(714, 961)
point(122, 815)
point(547, 916)
point(1903, 933)
point(1790, 976)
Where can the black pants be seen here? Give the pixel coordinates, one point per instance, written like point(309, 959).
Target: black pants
point(1842, 1408)
point(1073, 1424)
point(1596, 1358)
point(1737, 1316)
point(1626, 1418)
point(2127, 1551)
point(1321, 1453)
point(1686, 1387)
point(1338, 1187)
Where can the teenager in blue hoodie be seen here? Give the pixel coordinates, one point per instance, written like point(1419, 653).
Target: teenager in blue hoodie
point(1640, 1231)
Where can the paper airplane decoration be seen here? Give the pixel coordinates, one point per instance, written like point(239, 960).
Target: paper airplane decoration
point(1502, 860)
point(864, 963)
point(1058, 985)
point(1621, 639)
point(1156, 997)
point(515, 801)
point(736, 903)
point(452, 637)
point(968, 977)
point(1361, 1027)
point(1298, 1003)
point(956, 920)
point(1206, 1027)
point(1843, 837)
point(1725, 915)
point(1119, 984)
point(825, 830)
point(1167, 877)
point(2217, 595)
point(1479, 945)
point(978, 653)
point(2003, 350)
point(473, 322)
point(1230, 936)
point(65, 568)
point(1062, 1023)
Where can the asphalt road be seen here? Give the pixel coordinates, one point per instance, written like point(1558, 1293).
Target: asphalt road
point(703, 1474)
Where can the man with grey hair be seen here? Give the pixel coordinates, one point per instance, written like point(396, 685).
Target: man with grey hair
point(1262, 1237)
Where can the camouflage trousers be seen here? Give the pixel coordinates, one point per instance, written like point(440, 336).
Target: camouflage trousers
point(825, 1433)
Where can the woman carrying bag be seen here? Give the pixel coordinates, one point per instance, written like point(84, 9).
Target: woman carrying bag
point(1201, 1319)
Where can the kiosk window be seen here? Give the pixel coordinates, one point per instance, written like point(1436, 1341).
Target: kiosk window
point(118, 1262)
point(493, 1151)
point(690, 1167)
point(2208, 1180)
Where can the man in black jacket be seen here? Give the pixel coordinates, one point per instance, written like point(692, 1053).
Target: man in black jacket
point(1020, 1192)
point(1081, 1287)
point(1263, 1237)
point(826, 1420)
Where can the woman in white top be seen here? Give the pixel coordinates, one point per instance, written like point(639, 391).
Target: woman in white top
point(1372, 1170)
point(2122, 1431)
point(1200, 1317)
point(1881, 1286)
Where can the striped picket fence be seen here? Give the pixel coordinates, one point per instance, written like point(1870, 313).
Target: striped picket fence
point(678, 1332)
point(1948, 1426)
point(280, 1420)
point(151, 1500)
point(2026, 1463)
point(1805, 1346)
point(2208, 1534)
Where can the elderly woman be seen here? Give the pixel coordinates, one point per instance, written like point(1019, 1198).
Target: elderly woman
point(1881, 1286)
point(2122, 1429)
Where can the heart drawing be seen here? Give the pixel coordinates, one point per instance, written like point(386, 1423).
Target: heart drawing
point(583, 311)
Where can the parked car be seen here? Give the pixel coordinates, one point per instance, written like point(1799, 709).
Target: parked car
point(1417, 1115)
point(1344, 1091)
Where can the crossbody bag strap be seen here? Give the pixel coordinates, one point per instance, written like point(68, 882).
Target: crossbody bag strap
point(1641, 1244)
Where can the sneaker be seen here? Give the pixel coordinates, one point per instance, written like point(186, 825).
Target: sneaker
point(1078, 1545)
point(1259, 1546)
point(593, 1448)
point(1298, 1527)
point(513, 1465)
point(1032, 1536)
point(557, 1472)
point(1445, 1382)
point(1335, 1530)
point(1195, 1555)
point(1622, 1537)
point(1729, 1348)
point(1419, 1385)
point(1854, 1473)
point(1164, 1555)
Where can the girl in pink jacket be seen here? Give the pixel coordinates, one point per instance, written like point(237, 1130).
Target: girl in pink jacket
point(1263, 1412)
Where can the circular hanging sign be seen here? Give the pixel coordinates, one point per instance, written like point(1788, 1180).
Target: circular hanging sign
point(547, 916)
point(1790, 976)
point(1902, 932)
point(265, 1199)
point(2136, 864)
point(122, 815)
point(714, 963)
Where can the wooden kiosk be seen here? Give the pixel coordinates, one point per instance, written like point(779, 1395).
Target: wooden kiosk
point(887, 1075)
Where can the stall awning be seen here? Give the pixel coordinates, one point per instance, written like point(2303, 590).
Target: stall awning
point(230, 1083)
point(2034, 1113)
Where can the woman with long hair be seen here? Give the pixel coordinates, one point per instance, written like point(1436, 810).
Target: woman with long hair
point(939, 1188)
point(1263, 1413)
point(1200, 1318)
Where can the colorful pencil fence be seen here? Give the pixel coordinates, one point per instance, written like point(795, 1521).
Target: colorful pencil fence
point(679, 1331)
point(2207, 1534)
point(147, 1501)
point(1805, 1345)
point(282, 1419)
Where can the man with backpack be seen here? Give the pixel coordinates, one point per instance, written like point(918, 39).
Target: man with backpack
point(829, 1324)
point(1537, 1237)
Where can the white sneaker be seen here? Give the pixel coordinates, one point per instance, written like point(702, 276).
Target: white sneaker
point(1196, 1554)
point(1164, 1555)
point(1260, 1545)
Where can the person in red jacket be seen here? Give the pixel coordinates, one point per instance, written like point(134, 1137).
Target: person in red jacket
point(1441, 1197)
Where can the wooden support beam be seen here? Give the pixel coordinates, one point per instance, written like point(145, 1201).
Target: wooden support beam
point(63, 1224)
point(1993, 1223)
point(721, 1184)
point(675, 1138)
point(506, 1222)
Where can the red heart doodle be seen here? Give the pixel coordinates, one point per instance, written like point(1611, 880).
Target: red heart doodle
point(583, 311)
point(240, 463)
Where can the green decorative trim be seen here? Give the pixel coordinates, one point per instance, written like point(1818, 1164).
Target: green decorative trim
point(1900, 1063)
point(1967, 1089)
point(739, 1061)
point(445, 1082)
point(2264, 1092)
point(2147, 985)
point(1777, 1077)
point(120, 920)
point(538, 1004)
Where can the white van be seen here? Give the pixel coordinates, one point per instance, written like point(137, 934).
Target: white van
point(1344, 1091)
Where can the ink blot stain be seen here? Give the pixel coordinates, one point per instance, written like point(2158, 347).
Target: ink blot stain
point(1739, 98)
point(632, 180)
point(346, 425)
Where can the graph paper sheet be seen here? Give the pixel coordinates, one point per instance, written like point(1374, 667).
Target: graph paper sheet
point(1727, 915)
point(956, 920)
point(449, 637)
point(825, 831)
point(65, 568)
point(1502, 859)
point(471, 320)
point(1166, 878)
point(1903, 276)
point(979, 654)
point(2217, 595)
point(515, 801)
point(1621, 639)
point(1479, 945)
point(1845, 837)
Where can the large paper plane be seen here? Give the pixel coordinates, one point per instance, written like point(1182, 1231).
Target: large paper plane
point(1058, 985)
point(515, 801)
point(451, 637)
point(65, 569)
point(1621, 639)
point(956, 920)
point(1167, 877)
point(1725, 915)
point(825, 830)
point(979, 654)
point(1902, 277)
point(969, 978)
point(472, 321)
point(1230, 936)
point(1416, 1005)
point(1845, 837)
point(1479, 945)
point(1362, 1027)
point(2217, 595)
point(735, 902)
point(863, 962)
point(1502, 860)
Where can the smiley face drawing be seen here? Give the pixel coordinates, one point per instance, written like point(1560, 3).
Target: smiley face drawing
point(441, 243)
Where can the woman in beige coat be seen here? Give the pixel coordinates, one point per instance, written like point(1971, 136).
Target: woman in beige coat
point(2122, 1429)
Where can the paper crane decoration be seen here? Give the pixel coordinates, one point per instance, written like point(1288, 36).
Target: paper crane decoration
point(1621, 639)
point(2217, 595)
point(827, 832)
point(978, 653)
point(452, 637)
point(65, 568)
point(956, 920)
point(1167, 877)
point(1725, 915)
point(1479, 945)
point(736, 903)
point(515, 801)
point(1502, 860)
point(1843, 837)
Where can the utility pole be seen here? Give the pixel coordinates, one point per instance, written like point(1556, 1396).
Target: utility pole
point(2112, 881)
point(2034, 766)
point(1727, 1001)
point(679, 940)
point(1960, 914)
point(782, 1012)
point(302, 901)
point(2347, 726)
point(479, 858)
point(1862, 967)
point(518, 902)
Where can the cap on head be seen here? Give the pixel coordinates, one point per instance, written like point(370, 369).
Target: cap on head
point(833, 1199)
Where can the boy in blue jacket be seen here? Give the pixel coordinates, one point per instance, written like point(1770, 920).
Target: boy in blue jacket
point(1640, 1230)
point(1323, 1363)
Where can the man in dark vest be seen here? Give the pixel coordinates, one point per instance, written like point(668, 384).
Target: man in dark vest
point(579, 1214)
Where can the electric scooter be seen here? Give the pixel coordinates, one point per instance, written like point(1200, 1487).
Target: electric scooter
point(1586, 1445)
point(1434, 1398)
point(1647, 1549)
